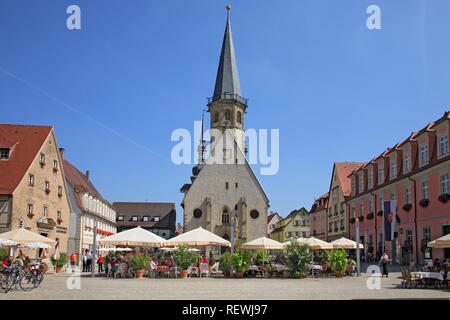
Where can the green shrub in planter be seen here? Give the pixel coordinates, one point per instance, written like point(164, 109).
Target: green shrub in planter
point(3, 254)
point(338, 261)
point(298, 258)
point(262, 258)
point(139, 261)
point(184, 258)
point(225, 263)
point(240, 261)
point(61, 262)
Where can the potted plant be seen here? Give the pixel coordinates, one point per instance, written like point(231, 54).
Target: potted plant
point(225, 264)
point(380, 213)
point(298, 258)
point(240, 261)
point(139, 262)
point(59, 220)
point(338, 262)
point(361, 218)
point(352, 220)
point(370, 216)
point(424, 203)
point(58, 264)
point(263, 260)
point(184, 258)
point(444, 197)
point(407, 207)
point(3, 254)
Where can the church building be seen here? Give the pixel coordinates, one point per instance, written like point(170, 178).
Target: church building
point(226, 194)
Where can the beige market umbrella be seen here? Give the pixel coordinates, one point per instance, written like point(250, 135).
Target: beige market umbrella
point(440, 243)
point(344, 243)
point(290, 241)
point(137, 237)
point(263, 243)
point(315, 244)
point(24, 236)
point(198, 237)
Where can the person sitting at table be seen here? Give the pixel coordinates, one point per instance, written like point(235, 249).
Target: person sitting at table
point(205, 259)
point(437, 264)
point(169, 261)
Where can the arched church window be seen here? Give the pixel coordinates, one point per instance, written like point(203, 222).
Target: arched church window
point(254, 214)
point(216, 117)
point(239, 117)
point(197, 213)
point(227, 115)
point(225, 216)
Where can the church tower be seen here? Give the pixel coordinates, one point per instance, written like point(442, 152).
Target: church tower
point(227, 107)
point(225, 198)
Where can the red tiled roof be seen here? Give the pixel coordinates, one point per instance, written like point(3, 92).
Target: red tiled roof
point(80, 184)
point(344, 169)
point(25, 143)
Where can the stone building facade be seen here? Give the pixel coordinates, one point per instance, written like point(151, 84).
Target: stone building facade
point(33, 191)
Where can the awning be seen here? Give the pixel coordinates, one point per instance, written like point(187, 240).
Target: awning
point(263, 243)
point(137, 237)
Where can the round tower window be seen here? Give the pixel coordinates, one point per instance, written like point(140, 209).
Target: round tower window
point(254, 214)
point(197, 213)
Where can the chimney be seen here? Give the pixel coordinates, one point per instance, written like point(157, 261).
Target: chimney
point(61, 153)
point(87, 174)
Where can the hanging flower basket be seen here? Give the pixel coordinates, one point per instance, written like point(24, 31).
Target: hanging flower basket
point(370, 216)
point(444, 197)
point(361, 218)
point(407, 207)
point(59, 220)
point(424, 203)
point(30, 215)
point(352, 220)
point(380, 213)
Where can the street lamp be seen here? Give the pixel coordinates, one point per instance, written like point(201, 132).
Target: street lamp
point(94, 249)
point(358, 262)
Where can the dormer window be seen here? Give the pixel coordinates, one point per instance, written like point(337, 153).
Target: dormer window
point(423, 154)
point(145, 218)
point(134, 218)
point(381, 174)
point(443, 146)
point(120, 218)
point(157, 218)
point(393, 172)
point(361, 183)
point(4, 154)
point(370, 178)
point(407, 163)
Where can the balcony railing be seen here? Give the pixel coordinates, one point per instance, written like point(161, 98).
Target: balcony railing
point(228, 97)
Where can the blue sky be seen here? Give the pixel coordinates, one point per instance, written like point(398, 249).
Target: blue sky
point(116, 89)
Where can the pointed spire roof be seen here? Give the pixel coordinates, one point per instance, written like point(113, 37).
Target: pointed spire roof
point(227, 80)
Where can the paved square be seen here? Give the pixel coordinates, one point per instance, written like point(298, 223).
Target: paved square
point(54, 287)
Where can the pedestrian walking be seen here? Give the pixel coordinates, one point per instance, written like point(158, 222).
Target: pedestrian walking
point(384, 264)
point(85, 261)
point(88, 261)
point(100, 263)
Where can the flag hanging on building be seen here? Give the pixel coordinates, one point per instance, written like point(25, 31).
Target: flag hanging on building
point(390, 212)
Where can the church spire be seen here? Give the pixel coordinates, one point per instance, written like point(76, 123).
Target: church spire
point(227, 80)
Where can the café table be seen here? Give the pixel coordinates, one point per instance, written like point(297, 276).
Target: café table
point(429, 278)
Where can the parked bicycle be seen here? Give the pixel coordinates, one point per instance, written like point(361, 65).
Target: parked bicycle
point(14, 276)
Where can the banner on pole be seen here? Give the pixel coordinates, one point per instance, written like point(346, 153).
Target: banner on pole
point(390, 212)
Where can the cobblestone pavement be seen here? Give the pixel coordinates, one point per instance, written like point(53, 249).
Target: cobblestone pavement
point(55, 287)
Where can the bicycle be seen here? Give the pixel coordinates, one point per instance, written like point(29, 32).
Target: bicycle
point(16, 276)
